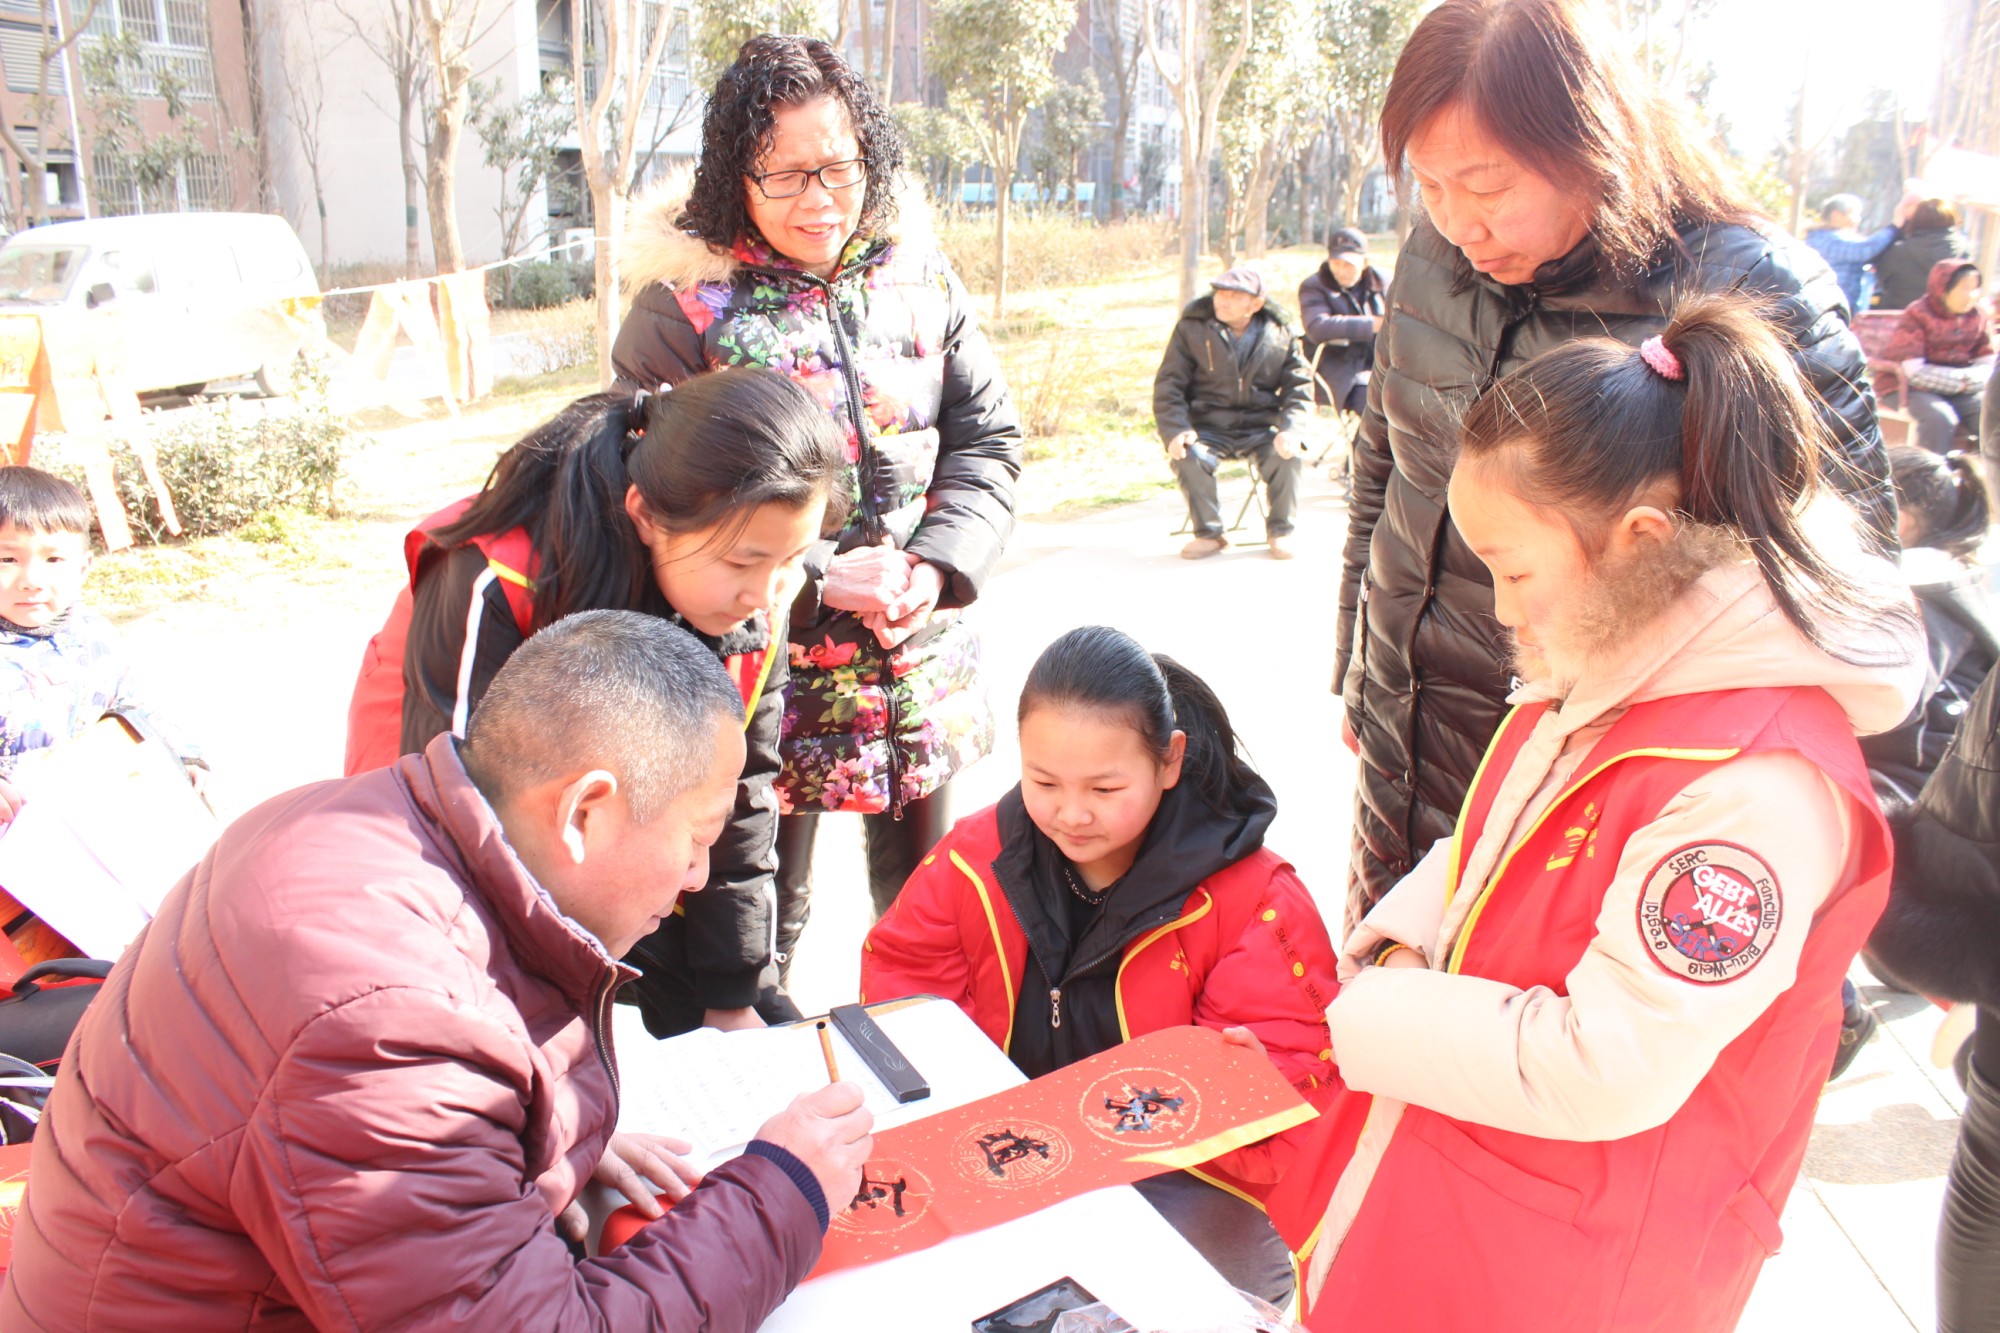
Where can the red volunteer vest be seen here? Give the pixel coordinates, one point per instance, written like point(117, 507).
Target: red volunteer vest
point(1153, 988)
point(375, 712)
point(1465, 1226)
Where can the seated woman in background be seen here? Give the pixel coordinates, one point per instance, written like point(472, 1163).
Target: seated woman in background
point(1581, 1043)
point(1124, 887)
point(1946, 353)
point(697, 506)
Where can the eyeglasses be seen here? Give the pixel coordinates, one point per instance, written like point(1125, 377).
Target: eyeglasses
point(834, 176)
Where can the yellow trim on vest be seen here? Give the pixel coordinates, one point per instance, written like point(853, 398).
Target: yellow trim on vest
point(999, 948)
point(513, 576)
point(771, 651)
point(1193, 1154)
point(1118, 981)
point(1499, 871)
point(1458, 829)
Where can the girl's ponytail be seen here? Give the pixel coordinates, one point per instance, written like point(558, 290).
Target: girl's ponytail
point(720, 445)
point(1710, 420)
point(1754, 453)
point(1100, 669)
point(1212, 763)
point(565, 483)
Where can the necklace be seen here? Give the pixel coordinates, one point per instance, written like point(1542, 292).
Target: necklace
point(1076, 887)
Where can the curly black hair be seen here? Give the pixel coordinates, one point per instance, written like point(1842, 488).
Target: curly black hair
point(770, 72)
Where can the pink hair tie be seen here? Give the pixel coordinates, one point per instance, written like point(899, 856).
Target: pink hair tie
point(1655, 353)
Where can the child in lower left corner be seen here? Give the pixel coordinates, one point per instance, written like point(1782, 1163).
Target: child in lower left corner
point(62, 668)
point(1123, 887)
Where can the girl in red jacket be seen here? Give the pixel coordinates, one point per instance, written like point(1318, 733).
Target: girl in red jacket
point(701, 505)
point(1582, 1041)
point(1121, 888)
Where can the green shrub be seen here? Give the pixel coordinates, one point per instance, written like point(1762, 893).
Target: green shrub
point(228, 463)
point(539, 285)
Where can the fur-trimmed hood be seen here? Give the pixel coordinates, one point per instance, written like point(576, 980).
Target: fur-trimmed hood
point(657, 251)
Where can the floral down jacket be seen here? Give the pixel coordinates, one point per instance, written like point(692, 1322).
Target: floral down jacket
point(890, 346)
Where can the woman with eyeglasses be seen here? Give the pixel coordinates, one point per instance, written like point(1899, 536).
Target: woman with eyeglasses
point(797, 246)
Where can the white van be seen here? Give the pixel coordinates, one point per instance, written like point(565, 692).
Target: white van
point(190, 297)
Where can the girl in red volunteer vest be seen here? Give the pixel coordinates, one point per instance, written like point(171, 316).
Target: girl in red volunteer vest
point(699, 505)
point(1582, 1040)
point(1123, 887)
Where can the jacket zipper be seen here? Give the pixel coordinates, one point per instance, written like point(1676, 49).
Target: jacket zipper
point(601, 1029)
point(871, 521)
point(872, 526)
point(1055, 992)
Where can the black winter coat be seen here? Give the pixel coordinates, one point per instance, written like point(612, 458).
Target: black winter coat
point(1339, 329)
point(1199, 386)
point(1420, 660)
point(1903, 271)
point(1940, 934)
point(1962, 633)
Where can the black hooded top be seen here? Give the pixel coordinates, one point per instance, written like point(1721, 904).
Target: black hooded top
point(1074, 948)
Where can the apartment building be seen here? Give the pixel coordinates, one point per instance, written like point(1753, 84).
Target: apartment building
point(331, 96)
point(91, 121)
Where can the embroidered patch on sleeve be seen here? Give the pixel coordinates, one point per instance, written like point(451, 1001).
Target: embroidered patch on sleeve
point(1709, 911)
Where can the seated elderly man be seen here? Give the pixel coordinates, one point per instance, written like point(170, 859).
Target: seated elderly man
point(360, 1064)
point(1234, 385)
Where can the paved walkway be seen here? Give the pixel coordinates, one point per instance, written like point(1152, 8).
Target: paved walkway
point(1860, 1227)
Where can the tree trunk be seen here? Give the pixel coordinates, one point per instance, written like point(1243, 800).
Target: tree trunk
point(1003, 190)
point(441, 193)
point(1307, 233)
point(1194, 215)
point(441, 189)
point(608, 202)
point(1232, 222)
point(863, 19)
point(413, 256)
point(888, 51)
point(1353, 183)
point(1257, 201)
point(1118, 164)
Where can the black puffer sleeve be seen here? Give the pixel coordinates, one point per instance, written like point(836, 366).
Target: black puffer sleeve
point(729, 921)
point(1372, 465)
point(656, 345)
point(1940, 933)
point(970, 512)
point(1829, 356)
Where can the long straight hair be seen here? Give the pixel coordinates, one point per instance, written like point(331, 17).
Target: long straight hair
point(1593, 429)
point(1547, 79)
point(711, 451)
point(1104, 670)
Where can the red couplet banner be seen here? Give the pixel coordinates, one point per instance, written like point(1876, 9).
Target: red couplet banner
point(1168, 1100)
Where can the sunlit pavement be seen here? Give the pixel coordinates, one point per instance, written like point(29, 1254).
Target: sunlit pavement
point(1859, 1228)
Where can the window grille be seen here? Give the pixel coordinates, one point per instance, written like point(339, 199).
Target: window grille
point(21, 56)
point(209, 186)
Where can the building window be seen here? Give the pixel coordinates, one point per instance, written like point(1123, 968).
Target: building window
point(201, 184)
point(207, 186)
point(21, 56)
point(172, 35)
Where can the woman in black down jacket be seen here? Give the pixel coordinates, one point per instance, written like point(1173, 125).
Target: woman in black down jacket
point(1558, 200)
point(1941, 934)
point(1903, 271)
